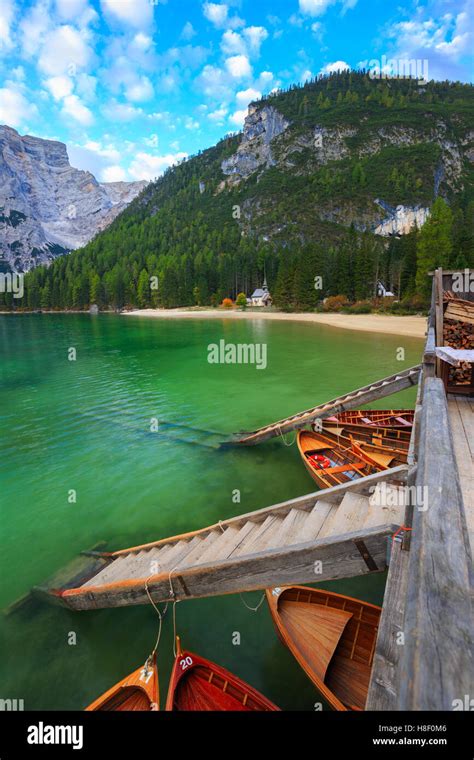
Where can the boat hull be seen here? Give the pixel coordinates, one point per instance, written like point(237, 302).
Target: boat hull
point(137, 692)
point(332, 637)
point(398, 418)
point(344, 464)
point(196, 684)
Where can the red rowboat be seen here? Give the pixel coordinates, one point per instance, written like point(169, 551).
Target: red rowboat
point(196, 684)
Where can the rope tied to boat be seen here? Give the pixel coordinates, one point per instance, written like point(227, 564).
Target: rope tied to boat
point(253, 609)
point(175, 651)
point(283, 437)
point(160, 615)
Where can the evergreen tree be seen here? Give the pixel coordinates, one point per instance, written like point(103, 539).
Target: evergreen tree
point(435, 245)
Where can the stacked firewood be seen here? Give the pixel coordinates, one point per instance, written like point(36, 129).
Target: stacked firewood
point(458, 333)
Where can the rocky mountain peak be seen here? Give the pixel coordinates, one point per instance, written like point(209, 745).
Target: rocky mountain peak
point(47, 207)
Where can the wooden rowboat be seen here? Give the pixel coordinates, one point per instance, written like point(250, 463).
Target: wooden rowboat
point(398, 418)
point(332, 637)
point(377, 436)
point(381, 456)
point(138, 691)
point(196, 684)
point(330, 462)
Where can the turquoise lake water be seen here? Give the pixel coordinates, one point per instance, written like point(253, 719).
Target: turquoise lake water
point(85, 425)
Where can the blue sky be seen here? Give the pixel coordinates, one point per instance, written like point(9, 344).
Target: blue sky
point(131, 86)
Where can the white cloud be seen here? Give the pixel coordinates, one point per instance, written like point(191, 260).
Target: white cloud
point(314, 7)
point(142, 41)
point(34, 26)
point(109, 151)
point(232, 43)
point(216, 13)
point(238, 66)
point(135, 13)
point(64, 51)
point(94, 157)
point(214, 83)
point(218, 115)
point(244, 97)
point(306, 75)
point(139, 90)
point(254, 36)
point(238, 117)
point(450, 36)
point(74, 108)
point(6, 19)
point(60, 86)
point(440, 42)
point(152, 141)
point(191, 123)
point(15, 109)
point(121, 111)
point(333, 67)
point(188, 31)
point(69, 10)
point(148, 166)
point(247, 43)
point(86, 85)
point(113, 174)
point(265, 78)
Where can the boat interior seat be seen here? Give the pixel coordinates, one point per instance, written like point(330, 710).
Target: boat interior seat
point(349, 680)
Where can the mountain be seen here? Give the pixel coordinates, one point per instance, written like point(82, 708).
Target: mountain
point(331, 180)
point(47, 207)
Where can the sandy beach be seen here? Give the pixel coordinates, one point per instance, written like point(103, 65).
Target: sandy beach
point(410, 326)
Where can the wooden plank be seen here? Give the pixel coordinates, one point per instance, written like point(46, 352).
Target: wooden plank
point(460, 312)
point(307, 502)
point(384, 684)
point(437, 666)
point(378, 389)
point(461, 420)
point(337, 557)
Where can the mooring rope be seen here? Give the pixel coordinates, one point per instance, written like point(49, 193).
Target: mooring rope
point(253, 609)
point(283, 438)
point(160, 615)
point(174, 626)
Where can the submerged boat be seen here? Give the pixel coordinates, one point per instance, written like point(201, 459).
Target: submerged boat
point(398, 418)
point(331, 462)
point(196, 684)
point(377, 436)
point(332, 637)
point(139, 691)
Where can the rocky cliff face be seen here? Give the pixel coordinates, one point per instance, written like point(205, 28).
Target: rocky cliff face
point(270, 140)
point(47, 207)
point(262, 126)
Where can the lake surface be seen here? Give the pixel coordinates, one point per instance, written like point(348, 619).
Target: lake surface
point(84, 425)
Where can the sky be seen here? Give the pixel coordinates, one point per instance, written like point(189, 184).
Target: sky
point(132, 86)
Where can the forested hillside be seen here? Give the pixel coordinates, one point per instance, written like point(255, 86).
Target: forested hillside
point(309, 190)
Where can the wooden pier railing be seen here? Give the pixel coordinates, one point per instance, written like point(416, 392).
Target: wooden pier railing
point(437, 666)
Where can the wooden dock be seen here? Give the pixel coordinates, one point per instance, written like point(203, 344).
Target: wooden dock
point(417, 519)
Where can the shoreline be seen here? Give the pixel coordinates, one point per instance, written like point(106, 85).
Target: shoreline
point(408, 326)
